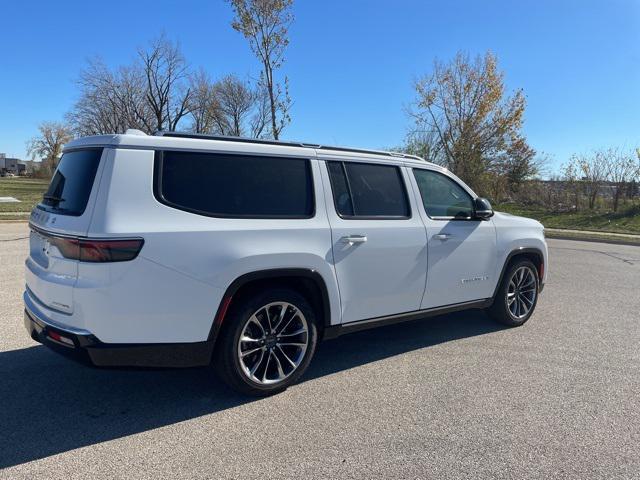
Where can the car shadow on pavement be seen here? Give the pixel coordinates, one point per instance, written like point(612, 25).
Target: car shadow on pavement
point(50, 405)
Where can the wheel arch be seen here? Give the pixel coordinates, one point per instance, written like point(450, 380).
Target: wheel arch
point(307, 282)
point(531, 253)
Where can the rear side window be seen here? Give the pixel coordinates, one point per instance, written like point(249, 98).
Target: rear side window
point(341, 195)
point(366, 190)
point(222, 185)
point(71, 185)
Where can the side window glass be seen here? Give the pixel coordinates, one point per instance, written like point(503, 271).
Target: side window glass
point(377, 190)
point(366, 190)
point(443, 197)
point(341, 195)
point(239, 186)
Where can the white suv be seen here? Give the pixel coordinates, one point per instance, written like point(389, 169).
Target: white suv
point(185, 250)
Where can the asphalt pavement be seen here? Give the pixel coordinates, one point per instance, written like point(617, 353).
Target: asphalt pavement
point(454, 396)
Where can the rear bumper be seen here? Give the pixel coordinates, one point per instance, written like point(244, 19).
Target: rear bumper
point(83, 346)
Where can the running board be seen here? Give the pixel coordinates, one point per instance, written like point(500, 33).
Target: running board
point(334, 331)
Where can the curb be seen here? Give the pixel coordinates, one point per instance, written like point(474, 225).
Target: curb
point(591, 238)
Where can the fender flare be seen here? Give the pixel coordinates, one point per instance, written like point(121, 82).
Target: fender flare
point(246, 278)
point(513, 253)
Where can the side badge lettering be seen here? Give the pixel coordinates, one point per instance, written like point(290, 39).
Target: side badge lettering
point(475, 279)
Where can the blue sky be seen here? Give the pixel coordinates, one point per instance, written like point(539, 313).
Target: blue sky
point(351, 63)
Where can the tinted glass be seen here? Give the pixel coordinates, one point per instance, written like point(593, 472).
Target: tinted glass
point(71, 185)
point(237, 185)
point(377, 190)
point(442, 196)
point(341, 196)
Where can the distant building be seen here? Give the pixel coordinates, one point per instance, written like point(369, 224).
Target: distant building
point(12, 165)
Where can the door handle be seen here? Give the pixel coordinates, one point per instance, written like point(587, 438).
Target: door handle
point(351, 239)
point(442, 236)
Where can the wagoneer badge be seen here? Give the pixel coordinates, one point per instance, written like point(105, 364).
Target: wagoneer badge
point(474, 279)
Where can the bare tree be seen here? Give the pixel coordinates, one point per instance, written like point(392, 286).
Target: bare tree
point(150, 94)
point(48, 144)
point(571, 178)
point(261, 114)
point(265, 24)
point(591, 170)
point(424, 143)
point(236, 101)
point(165, 73)
point(110, 101)
point(204, 107)
point(475, 122)
point(622, 168)
point(96, 110)
point(229, 106)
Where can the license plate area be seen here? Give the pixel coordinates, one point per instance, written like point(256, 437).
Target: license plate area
point(39, 249)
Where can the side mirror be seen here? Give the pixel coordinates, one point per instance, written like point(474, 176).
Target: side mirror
point(483, 210)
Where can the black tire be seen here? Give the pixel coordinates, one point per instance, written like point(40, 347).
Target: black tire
point(227, 362)
point(500, 310)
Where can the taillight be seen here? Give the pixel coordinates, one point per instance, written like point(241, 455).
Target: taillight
point(109, 250)
point(97, 250)
point(69, 247)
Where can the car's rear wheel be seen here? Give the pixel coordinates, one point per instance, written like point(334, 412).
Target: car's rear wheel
point(517, 296)
point(266, 342)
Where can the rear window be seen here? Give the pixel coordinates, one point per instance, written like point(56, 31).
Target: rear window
point(222, 185)
point(71, 185)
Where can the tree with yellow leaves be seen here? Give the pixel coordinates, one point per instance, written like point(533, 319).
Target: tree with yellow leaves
point(48, 144)
point(474, 126)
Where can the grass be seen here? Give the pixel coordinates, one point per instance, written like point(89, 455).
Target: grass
point(28, 190)
point(626, 220)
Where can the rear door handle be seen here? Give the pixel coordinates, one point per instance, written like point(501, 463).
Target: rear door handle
point(442, 236)
point(351, 239)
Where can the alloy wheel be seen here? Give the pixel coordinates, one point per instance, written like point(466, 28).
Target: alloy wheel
point(522, 291)
point(273, 343)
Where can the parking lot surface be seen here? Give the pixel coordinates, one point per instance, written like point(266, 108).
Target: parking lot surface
point(454, 396)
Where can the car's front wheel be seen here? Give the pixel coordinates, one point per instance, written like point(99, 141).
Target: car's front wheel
point(517, 296)
point(266, 342)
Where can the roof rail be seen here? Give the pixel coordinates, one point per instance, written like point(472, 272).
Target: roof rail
point(227, 138)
